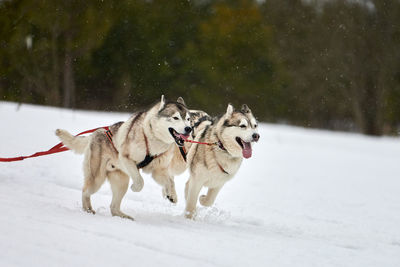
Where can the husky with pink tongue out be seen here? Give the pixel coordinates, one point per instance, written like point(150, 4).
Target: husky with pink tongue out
point(213, 165)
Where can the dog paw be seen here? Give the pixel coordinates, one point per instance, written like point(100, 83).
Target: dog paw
point(89, 210)
point(172, 199)
point(122, 215)
point(190, 215)
point(60, 132)
point(137, 185)
point(127, 217)
point(170, 195)
point(204, 201)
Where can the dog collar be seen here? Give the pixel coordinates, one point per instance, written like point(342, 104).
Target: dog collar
point(220, 145)
point(222, 169)
point(183, 152)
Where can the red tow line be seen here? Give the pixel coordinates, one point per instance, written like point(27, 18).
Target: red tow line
point(55, 149)
point(201, 143)
point(61, 148)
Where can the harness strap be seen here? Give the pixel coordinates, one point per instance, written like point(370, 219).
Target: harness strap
point(222, 169)
point(149, 158)
point(220, 145)
point(182, 149)
point(109, 136)
point(145, 162)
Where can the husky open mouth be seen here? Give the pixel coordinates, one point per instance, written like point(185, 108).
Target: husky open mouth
point(179, 138)
point(246, 147)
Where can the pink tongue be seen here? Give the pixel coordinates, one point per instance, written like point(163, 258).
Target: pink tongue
point(184, 137)
point(246, 151)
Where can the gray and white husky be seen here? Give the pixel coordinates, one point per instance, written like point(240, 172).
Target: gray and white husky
point(146, 140)
point(213, 166)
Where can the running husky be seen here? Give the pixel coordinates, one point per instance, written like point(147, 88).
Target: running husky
point(213, 166)
point(143, 141)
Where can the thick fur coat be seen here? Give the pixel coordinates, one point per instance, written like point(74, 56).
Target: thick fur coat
point(151, 134)
point(213, 166)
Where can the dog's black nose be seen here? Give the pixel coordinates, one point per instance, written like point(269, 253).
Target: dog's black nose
point(256, 136)
point(188, 129)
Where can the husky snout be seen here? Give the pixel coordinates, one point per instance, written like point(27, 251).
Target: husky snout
point(188, 130)
point(255, 136)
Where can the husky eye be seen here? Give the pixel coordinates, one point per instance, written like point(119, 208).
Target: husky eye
point(255, 126)
point(175, 118)
point(242, 126)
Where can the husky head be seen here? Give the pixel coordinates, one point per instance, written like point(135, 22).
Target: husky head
point(197, 115)
point(173, 121)
point(198, 120)
point(239, 130)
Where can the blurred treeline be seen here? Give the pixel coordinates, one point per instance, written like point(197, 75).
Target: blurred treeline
point(328, 64)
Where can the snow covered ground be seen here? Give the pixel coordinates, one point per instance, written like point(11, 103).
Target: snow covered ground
point(305, 198)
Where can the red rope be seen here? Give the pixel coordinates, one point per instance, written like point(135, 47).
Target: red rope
point(55, 149)
point(201, 143)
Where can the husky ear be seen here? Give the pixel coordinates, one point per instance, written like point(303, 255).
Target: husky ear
point(245, 109)
point(181, 101)
point(229, 110)
point(162, 103)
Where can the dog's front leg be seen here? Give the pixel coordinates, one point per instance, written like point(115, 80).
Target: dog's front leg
point(131, 169)
point(193, 188)
point(162, 177)
point(208, 200)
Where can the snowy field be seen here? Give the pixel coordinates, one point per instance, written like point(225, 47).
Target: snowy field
point(305, 198)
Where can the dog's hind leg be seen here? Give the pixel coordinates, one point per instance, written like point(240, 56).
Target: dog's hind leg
point(208, 200)
point(95, 176)
point(167, 182)
point(90, 187)
point(119, 182)
point(193, 190)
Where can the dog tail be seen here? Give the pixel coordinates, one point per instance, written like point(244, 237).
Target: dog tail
point(77, 144)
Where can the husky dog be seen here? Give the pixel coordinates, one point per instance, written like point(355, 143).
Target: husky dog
point(140, 142)
point(213, 166)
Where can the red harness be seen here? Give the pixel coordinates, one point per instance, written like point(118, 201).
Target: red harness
point(109, 136)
